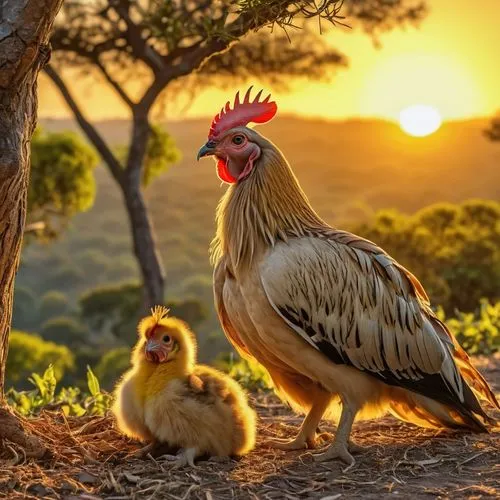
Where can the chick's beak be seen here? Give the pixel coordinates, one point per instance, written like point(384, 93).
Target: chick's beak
point(152, 346)
point(207, 149)
point(154, 352)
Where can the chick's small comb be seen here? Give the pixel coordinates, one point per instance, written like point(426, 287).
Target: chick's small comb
point(159, 312)
point(149, 324)
point(242, 113)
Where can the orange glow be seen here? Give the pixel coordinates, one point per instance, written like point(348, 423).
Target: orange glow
point(449, 63)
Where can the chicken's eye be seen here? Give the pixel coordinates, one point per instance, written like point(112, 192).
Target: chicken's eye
point(166, 339)
point(238, 139)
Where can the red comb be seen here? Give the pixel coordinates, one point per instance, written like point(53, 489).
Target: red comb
point(242, 113)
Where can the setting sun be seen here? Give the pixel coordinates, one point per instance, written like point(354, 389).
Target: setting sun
point(420, 120)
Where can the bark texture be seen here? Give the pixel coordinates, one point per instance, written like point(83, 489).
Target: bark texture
point(25, 27)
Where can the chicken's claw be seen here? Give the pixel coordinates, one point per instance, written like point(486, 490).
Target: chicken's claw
point(185, 457)
point(337, 450)
point(300, 442)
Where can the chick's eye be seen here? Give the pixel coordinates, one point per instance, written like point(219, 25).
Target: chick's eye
point(238, 139)
point(166, 339)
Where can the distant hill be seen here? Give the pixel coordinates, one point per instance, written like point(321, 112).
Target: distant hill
point(343, 165)
point(348, 170)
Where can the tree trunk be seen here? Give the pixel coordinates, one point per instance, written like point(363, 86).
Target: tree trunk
point(140, 224)
point(144, 243)
point(24, 32)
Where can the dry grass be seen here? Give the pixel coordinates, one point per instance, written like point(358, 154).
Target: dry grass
point(89, 459)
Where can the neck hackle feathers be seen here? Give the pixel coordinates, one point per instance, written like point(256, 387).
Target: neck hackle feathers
point(242, 113)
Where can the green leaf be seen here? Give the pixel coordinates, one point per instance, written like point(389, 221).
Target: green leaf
point(38, 382)
point(50, 382)
point(92, 382)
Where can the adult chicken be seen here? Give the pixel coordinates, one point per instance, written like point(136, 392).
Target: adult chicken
point(344, 331)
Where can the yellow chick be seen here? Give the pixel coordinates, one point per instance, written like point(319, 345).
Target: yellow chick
point(167, 398)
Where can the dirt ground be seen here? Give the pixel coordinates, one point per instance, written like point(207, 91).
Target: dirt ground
point(88, 459)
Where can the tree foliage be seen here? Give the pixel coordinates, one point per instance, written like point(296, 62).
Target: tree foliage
point(62, 183)
point(53, 304)
point(479, 331)
point(112, 366)
point(65, 330)
point(117, 308)
point(453, 249)
point(30, 353)
point(25, 311)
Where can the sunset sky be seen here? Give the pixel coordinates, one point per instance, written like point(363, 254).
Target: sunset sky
point(450, 62)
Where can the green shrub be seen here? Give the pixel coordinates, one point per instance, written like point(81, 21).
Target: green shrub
point(64, 278)
point(114, 308)
point(250, 374)
point(29, 352)
point(192, 311)
point(53, 304)
point(453, 249)
point(477, 332)
point(25, 312)
point(94, 262)
point(62, 182)
point(112, 365)
point(64, 330)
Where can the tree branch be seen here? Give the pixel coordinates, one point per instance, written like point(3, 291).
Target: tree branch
point(118, 88)
point(91, 132)
point(141, 49)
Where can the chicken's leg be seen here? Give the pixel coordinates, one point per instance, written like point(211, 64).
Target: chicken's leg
point(340, 447)
point(306, 438)
point(186, 457)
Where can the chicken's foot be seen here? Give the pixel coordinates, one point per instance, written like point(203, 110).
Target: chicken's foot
point(339, 448)
point(186, 457)
point(307, 437)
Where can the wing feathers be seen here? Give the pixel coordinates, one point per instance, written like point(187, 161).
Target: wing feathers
point(355, 304)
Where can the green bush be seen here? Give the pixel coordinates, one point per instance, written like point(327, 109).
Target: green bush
point(64, 330)
point(53, 304)
point(64, 278)
point(25, 312)
point(192, 311)
point(62, 183)
point(29, 352)
point(250, 374)
point(117, 308)
point(477, 332)
point(453, 249)
point(94, 262)
point(112, 366)
point(114, 308)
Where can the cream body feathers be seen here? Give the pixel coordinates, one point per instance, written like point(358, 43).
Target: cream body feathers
point(184, 405)
point(329, 314)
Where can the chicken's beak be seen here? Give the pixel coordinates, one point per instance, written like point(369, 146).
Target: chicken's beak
point(152, 346)
point(207, 149)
